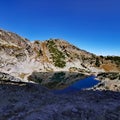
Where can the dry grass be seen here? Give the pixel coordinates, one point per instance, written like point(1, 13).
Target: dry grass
point(22, 75)
point(108, 67)
point(45, 58)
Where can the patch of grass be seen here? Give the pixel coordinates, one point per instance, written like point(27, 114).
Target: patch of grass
point(22, 75)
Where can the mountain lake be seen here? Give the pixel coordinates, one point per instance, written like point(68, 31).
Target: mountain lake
point(78, 85)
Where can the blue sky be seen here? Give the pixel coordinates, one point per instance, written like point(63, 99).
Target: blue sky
point(93, 25)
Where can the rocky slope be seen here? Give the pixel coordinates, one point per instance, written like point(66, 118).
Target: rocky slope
point(27, 101)
point(19, 55)
point(21, 58)
point(62, 63)
point(109, 81)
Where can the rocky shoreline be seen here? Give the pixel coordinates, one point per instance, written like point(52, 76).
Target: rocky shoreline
point(108, 81)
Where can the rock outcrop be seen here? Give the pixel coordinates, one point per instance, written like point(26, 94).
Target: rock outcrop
point(8, 78)
point(109, 81)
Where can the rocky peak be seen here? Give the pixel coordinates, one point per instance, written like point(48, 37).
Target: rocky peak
point(13, 38)
point(13, 41)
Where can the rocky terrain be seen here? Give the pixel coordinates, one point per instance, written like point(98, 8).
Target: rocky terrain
point(21, 58)
point(109, 81)
point(28, 69)
point(28, 101)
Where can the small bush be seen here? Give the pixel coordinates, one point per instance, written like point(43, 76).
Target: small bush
point(115, 59)
point(97, 63)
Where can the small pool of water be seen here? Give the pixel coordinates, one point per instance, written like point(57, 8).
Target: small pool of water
point(79, 85)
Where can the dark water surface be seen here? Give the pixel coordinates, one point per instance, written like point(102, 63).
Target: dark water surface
point(79, 85)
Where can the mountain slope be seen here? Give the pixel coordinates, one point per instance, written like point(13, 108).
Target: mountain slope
point(20, 57)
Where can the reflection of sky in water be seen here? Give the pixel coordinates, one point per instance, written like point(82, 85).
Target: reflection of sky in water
point(81, 84)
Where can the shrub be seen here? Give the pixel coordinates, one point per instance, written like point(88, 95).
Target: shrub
point(57, 56)
point(115, 59)
point(97, 63)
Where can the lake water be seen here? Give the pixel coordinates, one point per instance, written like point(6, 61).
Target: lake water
point(78, 85)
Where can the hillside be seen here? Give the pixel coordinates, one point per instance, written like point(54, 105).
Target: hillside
point(24, 59)
point(55, 64)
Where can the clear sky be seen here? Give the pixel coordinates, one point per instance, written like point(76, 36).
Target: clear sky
point(93, 25)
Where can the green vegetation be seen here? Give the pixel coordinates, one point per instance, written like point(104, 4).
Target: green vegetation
point(97, 63)
point(57, 56)
point(40, 53)
point(115, 59)
point(37, 42)
point(110, 75)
